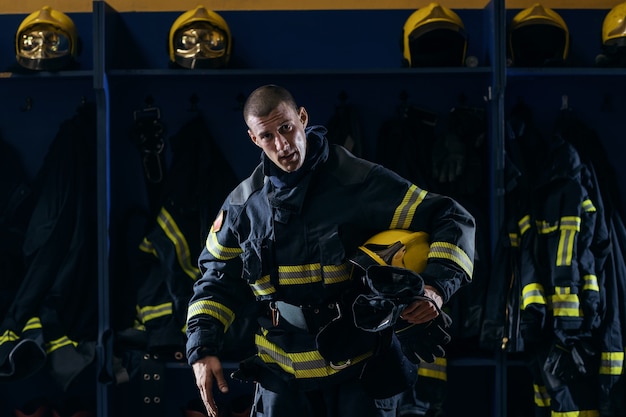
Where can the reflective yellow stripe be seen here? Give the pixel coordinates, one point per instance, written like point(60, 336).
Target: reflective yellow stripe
point(612, 363)
point(533, 294)
point(299, 274)
point(218, 251)
point(524, 224)
point(32, 324)
point(404, 213)
point(308, 364)
point(577, 413)
point(8, 336)
point(445, 250)
point(146, 246)
point(588, 206)
point(59, 343)
point(335, 274)
point(302, 275)
point(542, 399)
point(312, 273)
point(514, 238)
point(565, 250)
point(183, 254)
point(263, 286)
point(565, 304)
point(434, 370)
point(147, 313)
point(216, 310)
point(565, 223)
point(591, 283)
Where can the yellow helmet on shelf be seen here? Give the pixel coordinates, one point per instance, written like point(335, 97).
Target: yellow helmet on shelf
point(200, 38)
point(434, 35)
point(538, 36)
point(46, 40)
point(614, 26)
point(395, 247)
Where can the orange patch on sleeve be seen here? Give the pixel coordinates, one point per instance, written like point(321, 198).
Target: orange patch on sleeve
point(217, 223)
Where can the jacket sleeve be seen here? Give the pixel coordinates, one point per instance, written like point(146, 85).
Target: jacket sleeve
point(219, 293)
point(451, 230)
point(567, 228)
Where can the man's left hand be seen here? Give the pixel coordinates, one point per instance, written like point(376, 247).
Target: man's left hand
point(422, 311)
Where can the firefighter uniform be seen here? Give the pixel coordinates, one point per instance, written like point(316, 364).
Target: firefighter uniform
point(285, 239)
point(52, 319)
point(558, 303)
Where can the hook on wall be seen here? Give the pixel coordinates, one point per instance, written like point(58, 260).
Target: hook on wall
point(28, 104)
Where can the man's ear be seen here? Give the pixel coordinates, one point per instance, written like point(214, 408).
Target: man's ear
point(304, 116)
point(253, 138)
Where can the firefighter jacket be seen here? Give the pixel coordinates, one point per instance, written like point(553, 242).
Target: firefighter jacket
point(286, 238)
point(552, 279)
point(15, 210)
point(165, 261)
point(53, 318)
point(608, 246)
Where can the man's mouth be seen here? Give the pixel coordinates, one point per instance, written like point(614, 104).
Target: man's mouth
point(288, 158)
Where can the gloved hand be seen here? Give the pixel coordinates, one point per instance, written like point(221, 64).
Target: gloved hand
point(424, 342)
point(449, 155)
point(392, 290)
point(577, 359)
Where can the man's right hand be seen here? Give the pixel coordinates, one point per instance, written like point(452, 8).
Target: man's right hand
point(205, 370)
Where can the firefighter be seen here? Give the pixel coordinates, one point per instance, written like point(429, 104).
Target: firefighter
point(282, 240)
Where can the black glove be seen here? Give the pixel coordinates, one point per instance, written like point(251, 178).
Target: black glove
point(392, 290)
point(424, 342)
point(569, 362)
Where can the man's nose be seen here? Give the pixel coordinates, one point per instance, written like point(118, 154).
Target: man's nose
point(281, 142)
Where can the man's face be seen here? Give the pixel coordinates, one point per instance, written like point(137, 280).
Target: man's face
point(281, 136)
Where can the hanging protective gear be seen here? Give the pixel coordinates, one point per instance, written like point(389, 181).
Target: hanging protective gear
point(200, 38)
point(613, 38)
point(434, 36)
point(538, 37)
point(393, 260)
point(46, 40)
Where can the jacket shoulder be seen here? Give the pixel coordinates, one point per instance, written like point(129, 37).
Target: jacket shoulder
point(346, 167)
point(247, 187)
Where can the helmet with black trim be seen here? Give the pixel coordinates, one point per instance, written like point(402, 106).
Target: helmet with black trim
point(613, 38)
point(614, 26)
point(46, 40)
point(538, 37)
point(200, 38)
point(434, 35)
point(395, 247)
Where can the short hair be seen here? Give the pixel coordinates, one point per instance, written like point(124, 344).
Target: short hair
point(266, 98)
